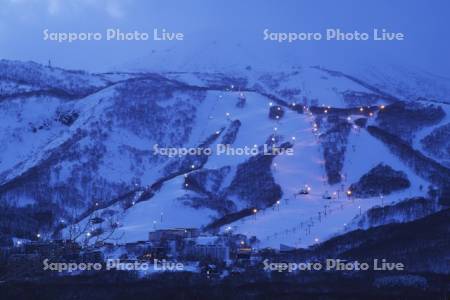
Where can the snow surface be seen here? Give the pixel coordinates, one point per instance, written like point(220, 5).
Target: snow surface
point(296, 221)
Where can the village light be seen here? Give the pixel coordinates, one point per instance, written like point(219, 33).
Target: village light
point(382, 107)
point(275, 128)
point(293, 138)
point(192, 166)
point(270, 103)
point(38, 235)
point(316, 240)
point(88, 234)
point(371, 114)
point(325, 111)
point(227, 114)
point(255, 210)
point(349, 118)
point(349, 192)
point(361, 109)
point(217, 132)
point(278, 202)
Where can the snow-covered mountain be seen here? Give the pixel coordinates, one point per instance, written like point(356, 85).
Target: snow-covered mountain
point(77, 146)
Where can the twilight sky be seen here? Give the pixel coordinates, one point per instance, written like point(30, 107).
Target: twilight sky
point(225, 33)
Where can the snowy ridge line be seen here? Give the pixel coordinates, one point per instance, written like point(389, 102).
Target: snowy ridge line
point(422, 99)
point(53, 150)
point(387, 96)
point(57, 93)
point(51, 155)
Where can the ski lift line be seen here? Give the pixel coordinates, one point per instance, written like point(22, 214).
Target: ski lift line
point(329, 211)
